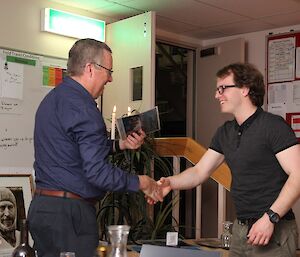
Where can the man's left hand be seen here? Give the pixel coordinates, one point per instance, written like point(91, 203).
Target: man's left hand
point(261, 231)
point(133, 141)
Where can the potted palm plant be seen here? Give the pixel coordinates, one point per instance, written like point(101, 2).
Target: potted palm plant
point(131, 208)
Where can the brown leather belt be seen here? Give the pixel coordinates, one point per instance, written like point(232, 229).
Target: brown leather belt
point(63, 194)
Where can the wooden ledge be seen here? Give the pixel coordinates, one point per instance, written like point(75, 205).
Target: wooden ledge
point(191, 150)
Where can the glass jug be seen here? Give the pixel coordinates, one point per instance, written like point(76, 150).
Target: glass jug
point(118, 237)
point(226, 235)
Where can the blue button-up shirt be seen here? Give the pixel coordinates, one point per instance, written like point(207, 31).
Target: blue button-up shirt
point(71, 145)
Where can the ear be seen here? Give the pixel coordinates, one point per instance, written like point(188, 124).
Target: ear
point(88, 70)
point(245, 91)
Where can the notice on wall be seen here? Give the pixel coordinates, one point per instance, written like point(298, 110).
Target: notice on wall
point(284, 98)
point(277, 98)
point(13, 67)
point(12, 78)
point(281, 60)
point(294, 120)
point(53, 72)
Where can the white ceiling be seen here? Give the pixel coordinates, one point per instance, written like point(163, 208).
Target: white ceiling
point(201, 19)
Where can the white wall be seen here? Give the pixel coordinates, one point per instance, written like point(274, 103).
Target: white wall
point(133, 45)
point(255, 44)
point(20, 27)
point(20, 30)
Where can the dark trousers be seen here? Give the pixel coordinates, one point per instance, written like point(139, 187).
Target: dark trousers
point(60, 225)
point(283, 242)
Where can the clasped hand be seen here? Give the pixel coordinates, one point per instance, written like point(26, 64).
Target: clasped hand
point(159, 189)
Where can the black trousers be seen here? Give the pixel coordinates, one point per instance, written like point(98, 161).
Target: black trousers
point(63, 225)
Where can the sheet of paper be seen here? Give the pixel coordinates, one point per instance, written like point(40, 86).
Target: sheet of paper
point(277, 98)
point(293, 97)
point(281, 60)
point(277, 93)
point(296, 92)
point(12, 80)
point(298, 62)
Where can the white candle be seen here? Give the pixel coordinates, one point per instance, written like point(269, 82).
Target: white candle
point(113, 124)
point(128, 111)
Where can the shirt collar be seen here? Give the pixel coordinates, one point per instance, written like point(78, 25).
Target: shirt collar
point(248, 121)
point(77, 86)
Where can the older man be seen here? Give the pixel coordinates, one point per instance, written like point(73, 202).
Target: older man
point(71, 150)
point(8, 219)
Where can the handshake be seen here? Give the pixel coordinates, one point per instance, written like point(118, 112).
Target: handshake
point(154, 190)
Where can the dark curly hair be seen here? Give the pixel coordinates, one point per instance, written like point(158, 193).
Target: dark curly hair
point(246, 75)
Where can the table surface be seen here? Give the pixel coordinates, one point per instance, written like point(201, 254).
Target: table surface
point(190, 242)
point(224, 252)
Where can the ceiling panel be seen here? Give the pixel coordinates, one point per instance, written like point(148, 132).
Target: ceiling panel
point(86, 5)
point(199, 14)
point(284, 20)
point(204, 33)
point(255, 8)
point(117, 11)
point(173, 25)
point(243, 27)
point(156, 5)
point(201, 19)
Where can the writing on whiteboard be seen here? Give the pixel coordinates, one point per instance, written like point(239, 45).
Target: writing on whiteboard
point(12, 142)
point(10, 106)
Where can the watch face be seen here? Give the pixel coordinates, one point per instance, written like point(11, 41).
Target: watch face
point(274, 217)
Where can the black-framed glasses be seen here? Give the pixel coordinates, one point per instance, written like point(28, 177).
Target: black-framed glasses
point(221, 88)
point(101, 66)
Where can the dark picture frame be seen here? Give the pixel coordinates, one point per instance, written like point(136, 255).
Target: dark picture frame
point(137, 83)
point(21, 185)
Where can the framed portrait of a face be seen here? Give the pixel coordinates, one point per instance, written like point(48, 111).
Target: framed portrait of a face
point(15, 196)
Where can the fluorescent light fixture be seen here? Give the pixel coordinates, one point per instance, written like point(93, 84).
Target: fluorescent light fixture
point(72, 25)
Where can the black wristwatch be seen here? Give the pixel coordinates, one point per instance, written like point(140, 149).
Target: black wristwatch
point(273, 216)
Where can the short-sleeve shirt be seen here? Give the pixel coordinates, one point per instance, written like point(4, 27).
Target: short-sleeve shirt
point(249, 151)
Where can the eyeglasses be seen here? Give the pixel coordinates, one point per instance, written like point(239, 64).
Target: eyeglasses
point(101, 66)
point(221, 88)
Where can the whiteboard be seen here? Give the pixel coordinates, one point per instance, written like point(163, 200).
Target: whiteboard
point(25, 79)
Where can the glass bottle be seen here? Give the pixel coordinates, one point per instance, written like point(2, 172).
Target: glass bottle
point(226, 235)
point(24, 249)
point(118, 237)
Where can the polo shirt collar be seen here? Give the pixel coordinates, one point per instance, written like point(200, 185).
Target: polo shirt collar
point(248, 121)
